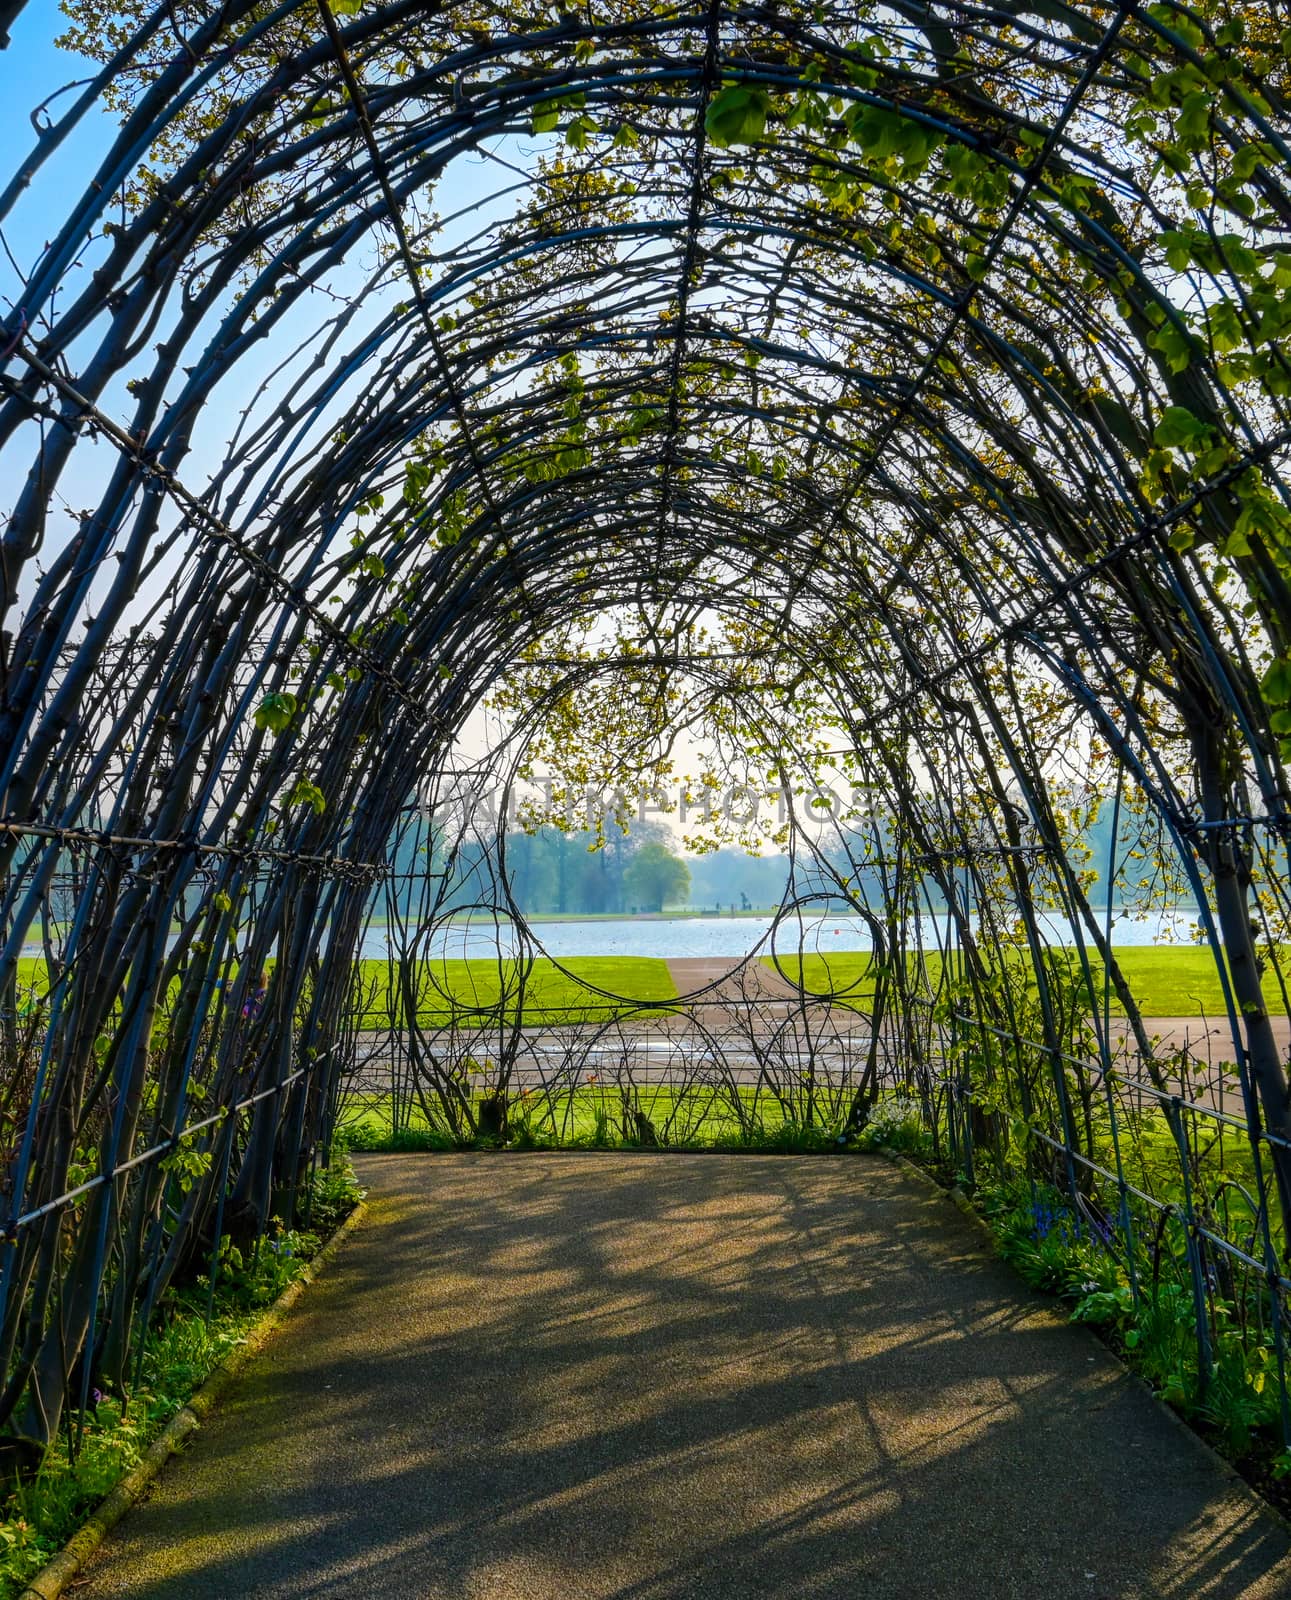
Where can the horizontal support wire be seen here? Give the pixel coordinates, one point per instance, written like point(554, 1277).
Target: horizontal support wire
point(1272, 1275)
point(1098, 1071)
point(1089, 1164)
point(151, 1154)
point(95, 838)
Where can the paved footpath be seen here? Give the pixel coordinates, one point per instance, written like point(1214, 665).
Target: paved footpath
point(538, 1377)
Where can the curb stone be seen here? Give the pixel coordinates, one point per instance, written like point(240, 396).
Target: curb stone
point(53, 1578)
point(1225, 1468)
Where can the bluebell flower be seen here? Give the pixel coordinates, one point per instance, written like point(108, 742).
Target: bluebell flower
point(1048, 1221)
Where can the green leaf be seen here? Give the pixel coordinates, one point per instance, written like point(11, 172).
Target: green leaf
point(275, 711)
point(1173, 16)
point(305, 793)
point(1237, 543)
point(1176, 344)
point(1277, 683)
point(1193, 121)
point(578, 133)
point(1225, 326)
point(416, 476)
point(737, 115)
point(883, 133)
point(1179, 429)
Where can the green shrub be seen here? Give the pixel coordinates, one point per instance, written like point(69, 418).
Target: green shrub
point(895, 1123)
point(333, 1194)
point(1233, 1398)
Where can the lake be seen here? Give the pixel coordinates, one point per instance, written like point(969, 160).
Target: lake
point(735, 936)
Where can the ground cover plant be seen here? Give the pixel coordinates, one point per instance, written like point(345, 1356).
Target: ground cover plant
point(1132, 1278)
point(196, 1325)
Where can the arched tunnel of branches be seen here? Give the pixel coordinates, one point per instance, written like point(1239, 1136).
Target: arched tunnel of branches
point(891, 391)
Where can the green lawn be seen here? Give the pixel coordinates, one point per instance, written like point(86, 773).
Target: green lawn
point(1168, 981)
point(551, 994)
point(446, 987)
point(31, 975)
point(846, 974)
point(1180, 981)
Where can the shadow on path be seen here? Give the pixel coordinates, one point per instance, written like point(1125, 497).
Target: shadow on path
point(555, 1377)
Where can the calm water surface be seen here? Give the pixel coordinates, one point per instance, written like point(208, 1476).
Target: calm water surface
point(686, 937)
point(734, 936)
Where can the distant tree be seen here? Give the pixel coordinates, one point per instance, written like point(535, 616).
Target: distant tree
point(731, 876)
point(548, 869)
point(655, 877)
point(534, 870)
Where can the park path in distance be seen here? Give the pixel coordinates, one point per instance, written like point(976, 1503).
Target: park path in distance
point(557, 1377)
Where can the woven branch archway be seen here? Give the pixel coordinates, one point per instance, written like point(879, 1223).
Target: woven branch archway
point(919, 364)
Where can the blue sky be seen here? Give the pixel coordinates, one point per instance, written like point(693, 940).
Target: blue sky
point(31, 69)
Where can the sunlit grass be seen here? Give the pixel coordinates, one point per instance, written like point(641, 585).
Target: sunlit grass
point(552, 993)
point(1166, 980)
point(596, 1115)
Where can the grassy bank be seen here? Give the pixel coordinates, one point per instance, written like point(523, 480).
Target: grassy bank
point(595, 1117)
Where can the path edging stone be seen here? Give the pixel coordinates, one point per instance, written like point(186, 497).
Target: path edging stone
point(53, 1578)
point(1227, 1470)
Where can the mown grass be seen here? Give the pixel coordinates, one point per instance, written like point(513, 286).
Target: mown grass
point(1170, 981)
point(1166, 980)
point(445, 989)
point(552, 993)
point(846, 976)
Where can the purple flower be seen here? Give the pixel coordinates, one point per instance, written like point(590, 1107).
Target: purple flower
point(1047, 1221)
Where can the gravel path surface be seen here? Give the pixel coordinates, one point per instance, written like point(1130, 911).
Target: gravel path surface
point(550, 1377)
point(691, 973)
